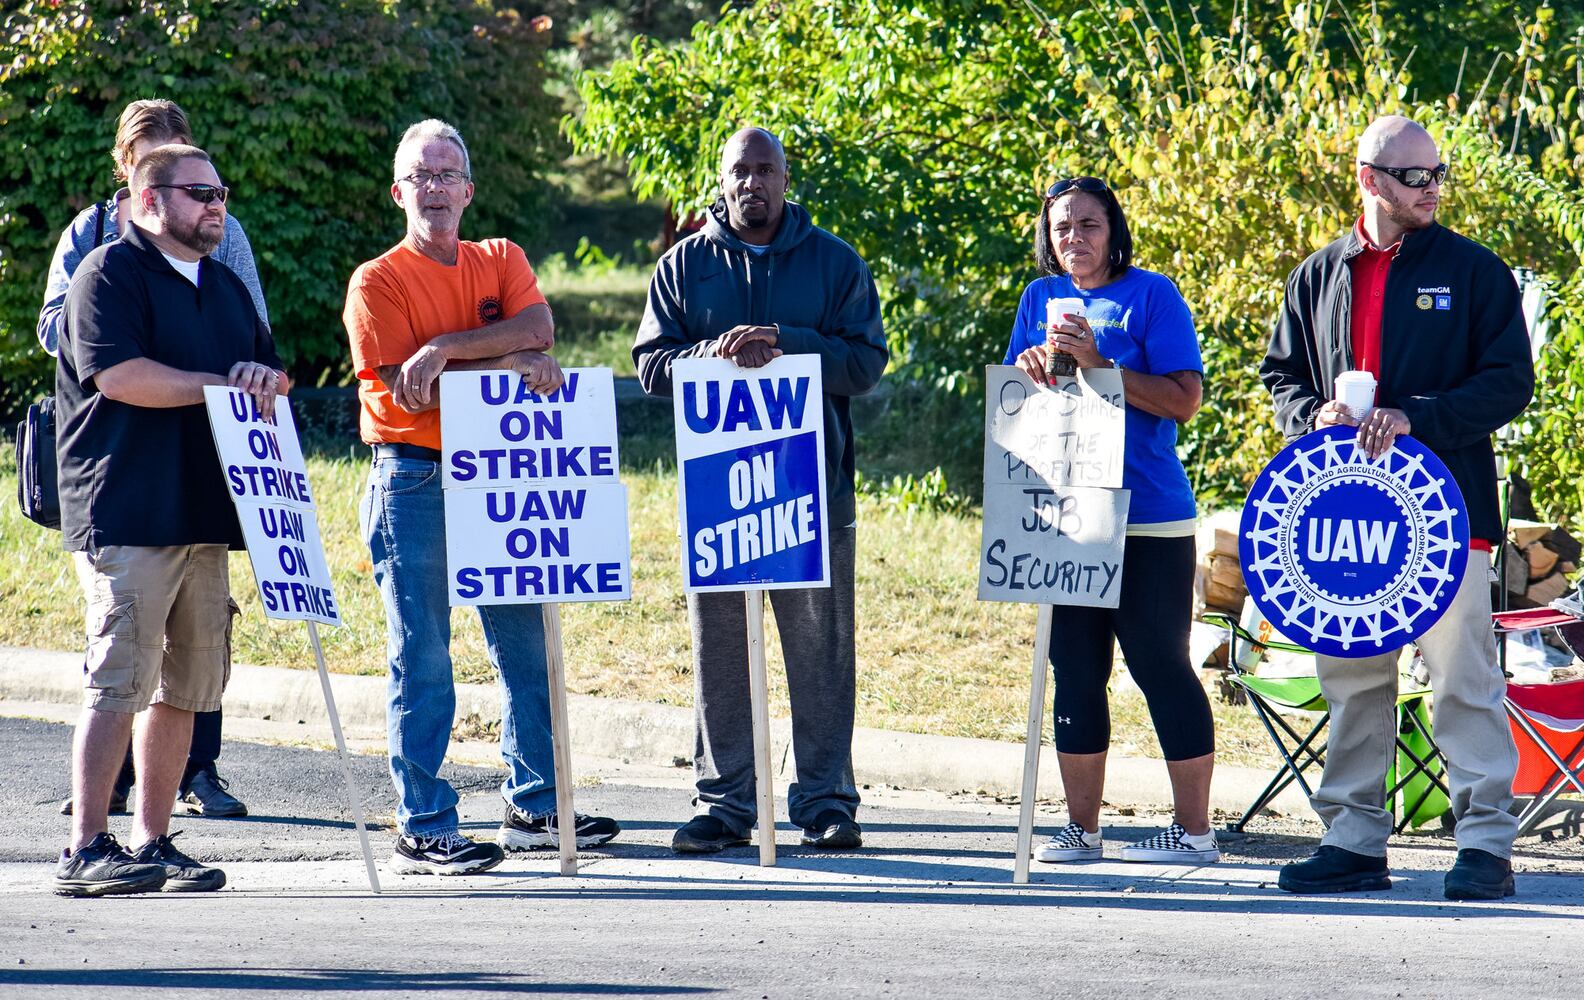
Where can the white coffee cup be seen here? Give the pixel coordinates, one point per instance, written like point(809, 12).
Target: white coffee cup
point(1057, 311)
point(1356, 391)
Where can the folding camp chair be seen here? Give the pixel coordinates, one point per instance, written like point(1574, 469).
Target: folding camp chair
point(1419, 770)
point(1548, 727)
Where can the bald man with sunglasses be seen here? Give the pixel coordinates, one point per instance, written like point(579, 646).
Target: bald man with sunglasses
point(1437, 319)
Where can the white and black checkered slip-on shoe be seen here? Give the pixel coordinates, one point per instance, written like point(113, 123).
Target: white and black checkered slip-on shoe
point(519, 833)
point(1072, 844)
point(447, 854)
point(1175, 847)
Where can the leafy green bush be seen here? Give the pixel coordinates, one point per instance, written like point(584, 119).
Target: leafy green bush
point(923, 133)
point(300, 102)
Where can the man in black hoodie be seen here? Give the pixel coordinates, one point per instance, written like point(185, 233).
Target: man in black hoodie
point(1436, 317)
point(761, 280)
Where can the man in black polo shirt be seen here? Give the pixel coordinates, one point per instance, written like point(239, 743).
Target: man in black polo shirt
point(150, 321)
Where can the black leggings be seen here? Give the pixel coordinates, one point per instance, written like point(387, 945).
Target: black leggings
point(1151, 625)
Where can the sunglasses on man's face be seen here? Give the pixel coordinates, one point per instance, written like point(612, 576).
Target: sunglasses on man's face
point(1092, 185)
point(1414, 177)
point(201, 193)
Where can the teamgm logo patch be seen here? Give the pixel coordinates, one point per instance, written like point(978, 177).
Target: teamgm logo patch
point(1352, 556)
point(489, 309)
point(1439, 298)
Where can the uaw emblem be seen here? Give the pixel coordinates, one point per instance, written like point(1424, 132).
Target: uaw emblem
point(1352, 557)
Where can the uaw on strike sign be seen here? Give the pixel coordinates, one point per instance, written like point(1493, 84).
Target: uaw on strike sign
point(534, 512)
point(262, 462)
point(1350, 556)
point(1055, 515)
point(751, 474)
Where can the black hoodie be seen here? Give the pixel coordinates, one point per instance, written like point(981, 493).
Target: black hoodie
point(810, 285)
point(1454, 351)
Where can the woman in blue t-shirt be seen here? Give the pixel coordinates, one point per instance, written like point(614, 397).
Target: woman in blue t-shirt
point(1136, 321)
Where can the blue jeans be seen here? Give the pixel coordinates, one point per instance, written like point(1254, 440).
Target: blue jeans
point(403, 521)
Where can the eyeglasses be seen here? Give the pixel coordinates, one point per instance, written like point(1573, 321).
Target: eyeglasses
point(203, 194)
point(447, 178)
point(1092, 185)
point(1414, 177)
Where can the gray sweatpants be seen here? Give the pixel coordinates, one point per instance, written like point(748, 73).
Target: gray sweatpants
point(817, 644)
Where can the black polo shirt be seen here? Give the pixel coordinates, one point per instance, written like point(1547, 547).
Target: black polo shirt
point(135, 475)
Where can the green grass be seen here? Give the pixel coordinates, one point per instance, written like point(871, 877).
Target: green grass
point(596, 310)
point(931, 658)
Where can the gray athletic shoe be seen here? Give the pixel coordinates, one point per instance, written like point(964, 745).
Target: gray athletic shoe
point(182, 874)
point(104, 868)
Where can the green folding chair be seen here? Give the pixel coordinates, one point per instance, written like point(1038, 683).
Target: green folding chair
point(1417, 774)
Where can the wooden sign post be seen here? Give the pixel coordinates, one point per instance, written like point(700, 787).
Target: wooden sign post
point(751, 484)
point(262, 461)
point(535, 514)
point(1055, 520)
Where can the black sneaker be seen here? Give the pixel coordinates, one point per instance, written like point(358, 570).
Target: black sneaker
point(1479, 874)
point(833, 830)
point(519, 833)
point(118, 802)
point(207, 795)
point(104, 868)
point(705, 835)
point(182, 874)
point(447, 854)
point(1333, 869)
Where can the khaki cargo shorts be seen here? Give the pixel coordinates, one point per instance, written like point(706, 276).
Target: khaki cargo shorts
point(159, 626)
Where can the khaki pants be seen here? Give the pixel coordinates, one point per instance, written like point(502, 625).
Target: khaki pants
point(159, 626)
point(1470, 727)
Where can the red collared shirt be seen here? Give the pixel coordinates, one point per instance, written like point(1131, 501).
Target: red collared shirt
point(1370, 267)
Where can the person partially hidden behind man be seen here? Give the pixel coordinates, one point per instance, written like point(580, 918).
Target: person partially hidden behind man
point(150, 320)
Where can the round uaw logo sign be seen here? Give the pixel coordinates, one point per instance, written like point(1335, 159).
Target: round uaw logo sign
point(1352, 557)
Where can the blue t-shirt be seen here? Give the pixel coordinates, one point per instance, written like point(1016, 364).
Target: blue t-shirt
point(1140, 320)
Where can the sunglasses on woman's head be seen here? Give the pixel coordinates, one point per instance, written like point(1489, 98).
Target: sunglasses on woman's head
point(1093, 185)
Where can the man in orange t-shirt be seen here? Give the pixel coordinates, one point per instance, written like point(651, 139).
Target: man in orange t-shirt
point(434, 303)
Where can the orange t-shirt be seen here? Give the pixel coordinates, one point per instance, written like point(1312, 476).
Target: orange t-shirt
point(401, 300)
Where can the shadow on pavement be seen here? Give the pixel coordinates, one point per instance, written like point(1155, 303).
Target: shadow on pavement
point(315, 980)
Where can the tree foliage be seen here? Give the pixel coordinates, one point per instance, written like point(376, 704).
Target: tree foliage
point(923, 133)
point(300, 102)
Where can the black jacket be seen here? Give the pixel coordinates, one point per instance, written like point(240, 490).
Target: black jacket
point(809, 284)
point(1454, 351)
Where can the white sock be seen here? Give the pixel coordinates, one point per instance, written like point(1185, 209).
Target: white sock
point(1201, 842)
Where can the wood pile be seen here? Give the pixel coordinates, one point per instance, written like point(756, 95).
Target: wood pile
point(1541, 559)
point(1218, 577)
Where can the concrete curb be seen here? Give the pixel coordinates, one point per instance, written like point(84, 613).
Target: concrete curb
point(661, 734)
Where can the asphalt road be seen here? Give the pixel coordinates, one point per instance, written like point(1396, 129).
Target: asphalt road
point(927, 909)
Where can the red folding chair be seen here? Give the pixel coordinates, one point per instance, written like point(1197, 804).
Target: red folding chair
point(1548, 727)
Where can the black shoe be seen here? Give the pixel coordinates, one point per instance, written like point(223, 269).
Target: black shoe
point(206, 795)
point(447, 854)
point(705, 835)
point(1479, 874)
point(1332, 869)
point(833, 830)
point(182, 874)
point(118, 802)
point(519, 833)
point(104, 868)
